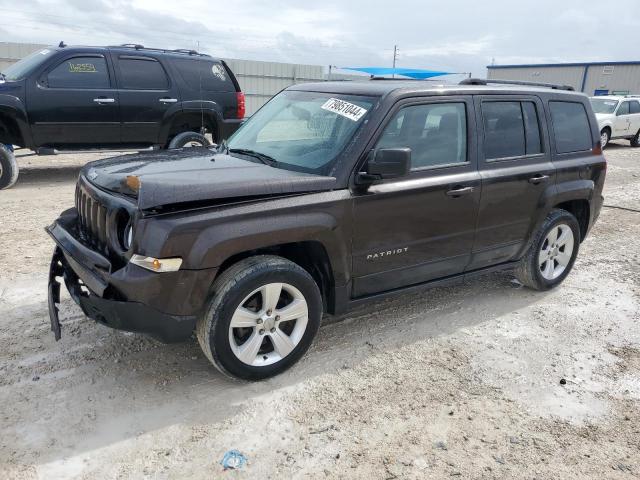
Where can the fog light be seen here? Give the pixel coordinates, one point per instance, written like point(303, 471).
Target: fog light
point(157, 264)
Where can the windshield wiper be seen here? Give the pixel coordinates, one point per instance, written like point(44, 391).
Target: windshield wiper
point(263, 157)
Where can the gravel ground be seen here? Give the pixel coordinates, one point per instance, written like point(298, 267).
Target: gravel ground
point(460, 382)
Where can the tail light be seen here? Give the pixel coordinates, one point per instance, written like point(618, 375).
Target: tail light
point(597, 148)
point(241, 105)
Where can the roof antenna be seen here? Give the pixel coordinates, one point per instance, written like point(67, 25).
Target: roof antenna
point(62, 44)
point(202, 129)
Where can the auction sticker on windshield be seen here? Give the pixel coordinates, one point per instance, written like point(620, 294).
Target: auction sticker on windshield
point(346, 109)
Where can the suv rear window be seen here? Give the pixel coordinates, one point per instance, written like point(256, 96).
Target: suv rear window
point(570, 127)
point(142, 74)
point(80, 72)
point(634, 107)
point(205, 75)
point(511, 129)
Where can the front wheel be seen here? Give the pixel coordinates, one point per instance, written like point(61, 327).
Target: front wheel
point(188, 139)
point(605, 136)
point(8, 168)
point(552, 252)
point(263, 316)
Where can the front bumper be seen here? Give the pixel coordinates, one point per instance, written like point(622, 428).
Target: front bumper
point(164, 305)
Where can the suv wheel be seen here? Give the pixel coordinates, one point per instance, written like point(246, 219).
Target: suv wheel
point(552, 253)
point(188, 139)
point(605, 136)
point(635, 141)
point(262, 318)
point(8, 168)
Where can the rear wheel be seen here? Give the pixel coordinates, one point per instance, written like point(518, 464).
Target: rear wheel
point(8, 168)
point(263, 317)
point(605, 136)
point(189, 139)
point(552, 253)
point(635, 141)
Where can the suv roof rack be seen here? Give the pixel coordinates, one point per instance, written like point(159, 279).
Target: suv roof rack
point(482, 81)
point(137, 46)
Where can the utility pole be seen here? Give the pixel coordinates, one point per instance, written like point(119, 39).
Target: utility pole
point(396, 52)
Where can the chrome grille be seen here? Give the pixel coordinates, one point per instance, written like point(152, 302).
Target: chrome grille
point(92, 217)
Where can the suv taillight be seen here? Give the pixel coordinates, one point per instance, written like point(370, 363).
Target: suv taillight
point(241, 105)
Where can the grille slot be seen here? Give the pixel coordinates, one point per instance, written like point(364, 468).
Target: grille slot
point(93, 220)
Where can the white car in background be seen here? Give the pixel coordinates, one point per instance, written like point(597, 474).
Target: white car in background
point(618, 117)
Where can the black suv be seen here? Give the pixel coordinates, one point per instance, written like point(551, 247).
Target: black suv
point(333, 194)
point(78, 98)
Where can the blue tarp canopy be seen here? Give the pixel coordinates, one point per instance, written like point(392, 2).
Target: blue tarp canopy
point(405, 72)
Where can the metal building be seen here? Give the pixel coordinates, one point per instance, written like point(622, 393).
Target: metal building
point(597, 78)
point(12, 52)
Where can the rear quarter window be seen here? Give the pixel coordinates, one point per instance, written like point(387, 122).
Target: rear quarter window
point(571, 127)
point(205, 75)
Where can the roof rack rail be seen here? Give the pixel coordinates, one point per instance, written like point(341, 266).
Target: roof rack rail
point(183, 51)
point(373, 77)
point(482, 81)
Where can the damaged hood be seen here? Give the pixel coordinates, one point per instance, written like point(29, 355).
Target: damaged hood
point(159, 179)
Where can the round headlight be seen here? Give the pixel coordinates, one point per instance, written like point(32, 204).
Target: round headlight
point(127, 239)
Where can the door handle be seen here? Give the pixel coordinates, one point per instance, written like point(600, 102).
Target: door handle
point(458, 192)
point(538, 179)
point(104, 100)
point(168, 100)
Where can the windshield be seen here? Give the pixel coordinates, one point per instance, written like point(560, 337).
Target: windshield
point(303, 131)
point(22, 68)
point(603, 105)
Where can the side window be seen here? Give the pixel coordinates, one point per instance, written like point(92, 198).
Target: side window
point(531, 128)
point(205, 75)
point(80, 72)
point(504, 135)
point(435, 133)
point(570, 127)
point(634, 107)
point(142, 74)
point(623, 109)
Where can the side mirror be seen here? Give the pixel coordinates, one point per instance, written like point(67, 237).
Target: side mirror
point(386, 163)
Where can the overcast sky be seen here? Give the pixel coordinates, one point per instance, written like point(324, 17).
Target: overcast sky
point(452, 35)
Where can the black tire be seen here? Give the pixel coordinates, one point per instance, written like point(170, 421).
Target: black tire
point(230, 289)
point(528, 270)
point(605, 133)
point(186, 138)
point(8, 168)
point(635, 141)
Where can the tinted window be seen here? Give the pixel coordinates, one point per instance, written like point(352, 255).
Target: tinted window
point(623, 109)
point(138, 74)
point(503, 130)
point(570, 127)
point(80, 72)
point(634, 107)
point(436, 134)
point(531, 128)
point(207, 75)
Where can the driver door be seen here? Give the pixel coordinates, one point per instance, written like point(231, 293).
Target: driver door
point(420, 227)
point(621, 124)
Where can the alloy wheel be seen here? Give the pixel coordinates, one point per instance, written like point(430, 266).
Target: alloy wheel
point(556, 251)
point(268, 324)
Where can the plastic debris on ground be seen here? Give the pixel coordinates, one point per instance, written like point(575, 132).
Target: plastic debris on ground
point(233, 460)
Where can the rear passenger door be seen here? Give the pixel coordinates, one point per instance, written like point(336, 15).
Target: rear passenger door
point(147, 97)
point(634, 117)
point(621, 124)
point(419, 227)
point(516, 171)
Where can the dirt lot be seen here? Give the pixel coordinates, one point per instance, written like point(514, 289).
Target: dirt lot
point(460, 382)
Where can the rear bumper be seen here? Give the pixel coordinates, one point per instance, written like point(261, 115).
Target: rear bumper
point(229, 127)
point(164, 305)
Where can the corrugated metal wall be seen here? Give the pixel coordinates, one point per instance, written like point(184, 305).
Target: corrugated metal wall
point(12, 52)
point(559, 75)
point(613, 78)
point(262, 80)
point(604, 78)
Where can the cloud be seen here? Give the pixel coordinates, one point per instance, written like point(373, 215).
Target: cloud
point(457, 35)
